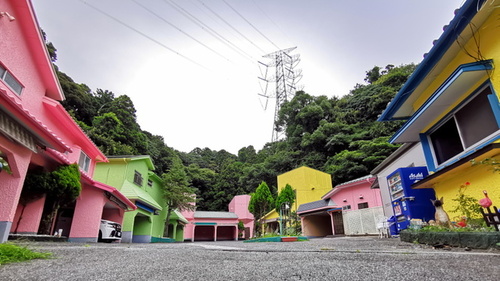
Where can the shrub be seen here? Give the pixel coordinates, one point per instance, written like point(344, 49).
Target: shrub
point(10, 253)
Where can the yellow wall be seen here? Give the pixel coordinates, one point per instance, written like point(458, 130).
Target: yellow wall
point(481, 177)
point(310, 184)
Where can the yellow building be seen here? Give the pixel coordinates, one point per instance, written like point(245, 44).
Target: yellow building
point(309, 185)
point(452, 107)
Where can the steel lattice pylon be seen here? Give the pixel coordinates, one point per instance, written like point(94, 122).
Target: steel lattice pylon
point(285, 79)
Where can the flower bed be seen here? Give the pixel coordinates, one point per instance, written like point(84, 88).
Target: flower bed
point(475, 240)
point(278, 239)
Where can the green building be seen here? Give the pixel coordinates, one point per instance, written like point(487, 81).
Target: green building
point(133, 176)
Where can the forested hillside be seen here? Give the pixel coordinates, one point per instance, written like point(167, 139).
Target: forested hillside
point(339, 136)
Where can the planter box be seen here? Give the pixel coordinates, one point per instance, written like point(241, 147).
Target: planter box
point(162, 240)
point(475, 240)
point(289, 239)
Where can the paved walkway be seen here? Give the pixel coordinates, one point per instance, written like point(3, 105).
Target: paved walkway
point(341, 258)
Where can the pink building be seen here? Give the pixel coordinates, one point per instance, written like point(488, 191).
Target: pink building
point(216, 226)
point(350, 208)
point(36, 132)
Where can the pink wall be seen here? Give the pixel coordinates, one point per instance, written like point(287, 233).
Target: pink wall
point(113, 214)
point(30, 221)
point(239, 206)
point(353, 192)
point(11, 185)
point(86, 219)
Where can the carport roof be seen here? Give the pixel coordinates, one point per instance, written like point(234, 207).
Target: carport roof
point(215, 215)
point(132, 192)
point(315, 206)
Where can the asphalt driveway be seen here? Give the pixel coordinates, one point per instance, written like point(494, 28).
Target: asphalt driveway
point(344, 258)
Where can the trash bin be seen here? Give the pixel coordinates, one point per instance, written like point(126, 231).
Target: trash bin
point(393, 227)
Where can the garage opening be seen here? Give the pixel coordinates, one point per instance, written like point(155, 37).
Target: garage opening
point(318, 225)
point(204, 233)
point(226, 233)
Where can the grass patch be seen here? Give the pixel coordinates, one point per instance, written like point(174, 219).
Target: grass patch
point(10, 253)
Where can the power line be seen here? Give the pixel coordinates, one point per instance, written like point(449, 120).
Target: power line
point(143, 34)
point(180, 30)
point(232, 27)
point(250, 24)
point(271, 20)
point(210, 31)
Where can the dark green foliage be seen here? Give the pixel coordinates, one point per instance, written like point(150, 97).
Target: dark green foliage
point(62, 184)
point(285, 196)
point(79, 101)
point(50, 47)
point(177, 192)
point(261, 201)
point(66, 183)
point(4, 165)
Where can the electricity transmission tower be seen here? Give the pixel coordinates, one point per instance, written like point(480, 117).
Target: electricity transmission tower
point(284, 78)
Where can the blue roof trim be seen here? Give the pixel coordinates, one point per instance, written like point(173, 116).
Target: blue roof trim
point(145, 207)
point(455, 28)
point(474, 66)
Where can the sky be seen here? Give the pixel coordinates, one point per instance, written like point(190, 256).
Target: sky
point(192, 68)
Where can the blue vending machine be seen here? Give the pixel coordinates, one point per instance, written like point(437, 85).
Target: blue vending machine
point(408, 203)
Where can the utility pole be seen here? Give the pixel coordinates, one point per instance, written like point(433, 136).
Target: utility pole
point(285, 78)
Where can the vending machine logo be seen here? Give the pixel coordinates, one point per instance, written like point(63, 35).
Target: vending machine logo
point(418, 176)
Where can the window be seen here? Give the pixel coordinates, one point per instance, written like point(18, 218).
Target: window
point(363, 205)
point(138, 178)
point(466, 127)
point(346, 207)
point(84, 162)
point(10, 80)
point(150, 183)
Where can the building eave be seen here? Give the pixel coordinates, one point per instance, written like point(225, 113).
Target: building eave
point(461, 20)
point(66, 121)
point(28, 120)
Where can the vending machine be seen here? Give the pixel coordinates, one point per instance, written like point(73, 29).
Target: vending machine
point(408, 203)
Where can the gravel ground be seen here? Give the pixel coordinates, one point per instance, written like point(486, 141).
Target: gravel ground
point(343, 258)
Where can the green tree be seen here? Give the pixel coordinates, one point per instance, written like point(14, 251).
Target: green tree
point(177, 193)
point(4, 165)
point(373, 75)
point(285, 196)
point(283, 205)
point(261, 203)
point(62, 187)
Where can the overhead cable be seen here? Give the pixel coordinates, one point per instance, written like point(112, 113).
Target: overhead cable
point(180, 30)
point(232, 27)
point(250, 24)
point(271, 20)
point(209, 30)
point(143, 34)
